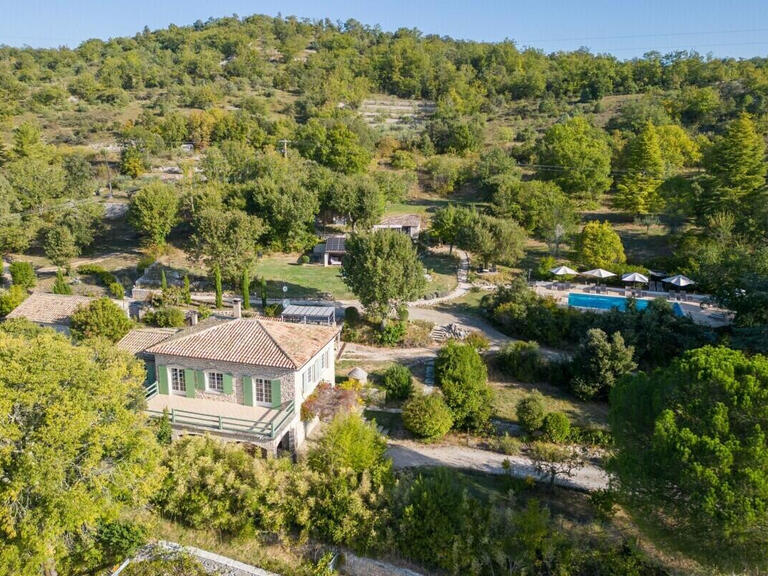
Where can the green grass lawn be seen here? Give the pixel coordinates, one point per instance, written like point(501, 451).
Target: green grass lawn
point(507, 394)
point(303, 281)
point(317, 281)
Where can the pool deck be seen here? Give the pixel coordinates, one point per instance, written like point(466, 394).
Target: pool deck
point(692, 305)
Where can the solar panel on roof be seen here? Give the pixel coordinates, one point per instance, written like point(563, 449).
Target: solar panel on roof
point(335, 244)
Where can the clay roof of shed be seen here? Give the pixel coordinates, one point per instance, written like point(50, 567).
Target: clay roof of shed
point(45, 308)
point(252, 341)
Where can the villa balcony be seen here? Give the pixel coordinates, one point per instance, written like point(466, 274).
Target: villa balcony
point(258, 422)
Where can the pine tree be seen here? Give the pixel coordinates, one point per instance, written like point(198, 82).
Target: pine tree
point(3, 154)
point(737, 159)
point(245, 289)
point(638, 188)
point(60, 286)
point(186, 291)
point(217, 285)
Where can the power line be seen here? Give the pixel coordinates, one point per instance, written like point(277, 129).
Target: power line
point(649, 35)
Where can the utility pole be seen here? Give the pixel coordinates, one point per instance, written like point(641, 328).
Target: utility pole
point(284, 144)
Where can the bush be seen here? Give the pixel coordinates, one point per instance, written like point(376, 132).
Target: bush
point(272, 310)
point(427, 416)
point(303, 259)
point(590, 437)
point(23, 274)
point(398, 382)
point(507, 444)
point(523, 361)
point(14, 296)
point(121, 538)
point(116, 290)
point(392, 334)
point(144, 262)
point(204, 311)
point(478, 341)
point(556, 427)
point(599, 363)
point(530, 412)
point(105, 276)
point(60, 285)
point(101, 318)
point(166, 317)
point(462, 375)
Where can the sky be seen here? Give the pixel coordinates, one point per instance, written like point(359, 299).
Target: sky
point(625, 28)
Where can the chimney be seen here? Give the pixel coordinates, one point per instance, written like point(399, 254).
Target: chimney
point(237, 311)
point(193, 317)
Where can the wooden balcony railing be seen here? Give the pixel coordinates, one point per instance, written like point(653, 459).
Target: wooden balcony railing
point(265, 428)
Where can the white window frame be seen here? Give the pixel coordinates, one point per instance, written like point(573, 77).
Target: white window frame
point(177, 374)
point(218, 376)
point(262, 391)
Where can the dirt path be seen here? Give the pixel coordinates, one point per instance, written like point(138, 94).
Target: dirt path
point(374, 354)
point(407, 454)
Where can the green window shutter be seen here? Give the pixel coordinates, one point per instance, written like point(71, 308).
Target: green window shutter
point(247, 391)
point(275, 393)
point(150, 367)
point(227, 383)
point(189, 382)
point(200, 380)
point(162, 379)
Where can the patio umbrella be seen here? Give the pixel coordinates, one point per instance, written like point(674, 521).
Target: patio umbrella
point(679, 280)
point(563, 271)
point(635, 277)
point(598, 273)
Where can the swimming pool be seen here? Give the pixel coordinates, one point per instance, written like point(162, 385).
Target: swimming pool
point(600, 302)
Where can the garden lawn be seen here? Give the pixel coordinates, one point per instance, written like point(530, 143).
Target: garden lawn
point(318, 281)
point(303, 281)
point(507, 394)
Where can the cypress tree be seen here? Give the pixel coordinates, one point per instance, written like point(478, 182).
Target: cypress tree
point(163, 281)
point(245, 289)
point(60, 286)
point(263, 292)
point(217, 285)
point(186, 291)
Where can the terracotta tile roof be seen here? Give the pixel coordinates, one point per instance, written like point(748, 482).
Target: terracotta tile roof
point(140, 339)
point(253, 341)
point(45, 308)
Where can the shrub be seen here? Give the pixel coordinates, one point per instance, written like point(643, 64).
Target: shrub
point(105, 276)
point(166, 317)
point(523, 361)
point(392, 334)
point(116, 290)
point(272, 310)
point(398, 382)
point(204, 311)
point(530, 412)
point(427, 416)
point(23, 274)
point(164, 432)
point(590, 437)
point(14, 296)
point(303, 259)
point(101, 318)
point(144, 262)
point(507, 444)
point(60, 285)
point(121, 538)
point(462, 375)
point(556, 427)
point(599, 363)
point(478, 341)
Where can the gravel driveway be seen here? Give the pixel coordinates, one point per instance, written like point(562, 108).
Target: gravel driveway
point(407, 454)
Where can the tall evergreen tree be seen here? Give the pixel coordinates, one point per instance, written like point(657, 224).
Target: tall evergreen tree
point(638, 188)
point(217, 285)
point(245, 288)
point(737, 158)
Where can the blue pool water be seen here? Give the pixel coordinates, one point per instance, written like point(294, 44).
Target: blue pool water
point(601, 302)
